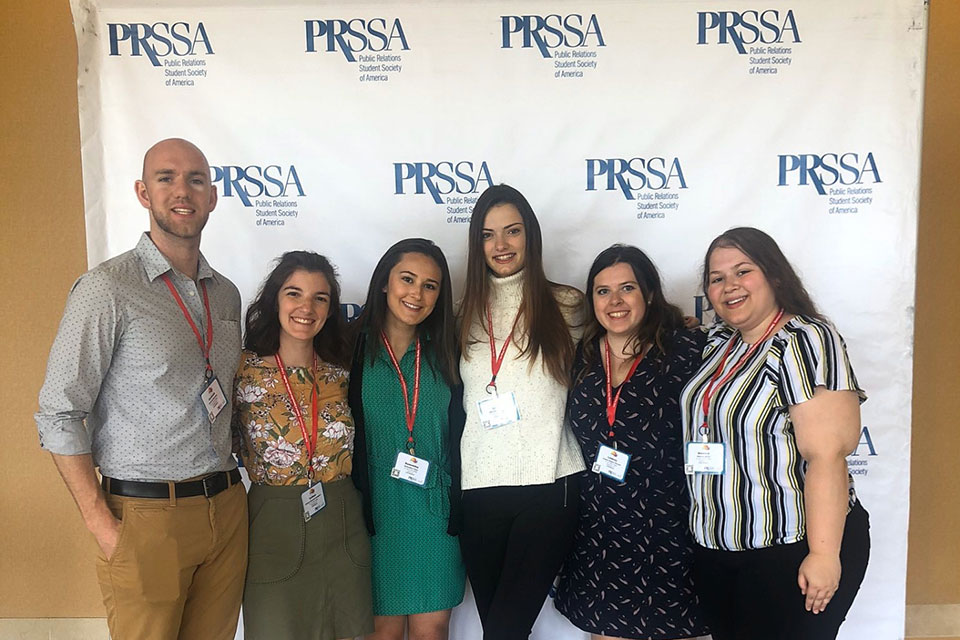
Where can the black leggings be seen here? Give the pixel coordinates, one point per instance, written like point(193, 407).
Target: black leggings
point(753, 595)
point(514, 540)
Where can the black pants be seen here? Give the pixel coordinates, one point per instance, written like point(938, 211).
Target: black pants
point(514, 540)
point(753, 595)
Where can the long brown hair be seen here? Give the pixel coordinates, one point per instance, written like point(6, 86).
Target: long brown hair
point(659, 319)
point(788, 290)
point(439, 326)
point(541, 321)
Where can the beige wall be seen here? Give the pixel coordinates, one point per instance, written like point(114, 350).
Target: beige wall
point(933, 571)
point(46, 556)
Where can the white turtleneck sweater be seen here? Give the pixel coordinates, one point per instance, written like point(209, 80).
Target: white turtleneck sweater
point(539, 448)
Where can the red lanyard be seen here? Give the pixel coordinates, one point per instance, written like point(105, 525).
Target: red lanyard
point(496, 361)
point(409, 412)
point(309, 442)
point(205, 348)
point(714, 384)
point(614, 400)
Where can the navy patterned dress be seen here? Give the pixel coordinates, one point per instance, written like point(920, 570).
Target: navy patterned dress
point(629, 573)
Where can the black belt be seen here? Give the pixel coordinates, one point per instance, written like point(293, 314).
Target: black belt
point(209, 486)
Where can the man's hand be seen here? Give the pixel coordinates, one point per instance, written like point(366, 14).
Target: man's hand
point(107, 534)
point(81, 479)
point(819, 577)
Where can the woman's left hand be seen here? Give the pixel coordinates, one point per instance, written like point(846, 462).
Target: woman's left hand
point(819, 577)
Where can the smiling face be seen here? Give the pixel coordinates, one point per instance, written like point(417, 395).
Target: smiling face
point(504, 240)
point(740, 292)
point(176, 189)
point(413, 287)
point(303, 306)
point(618, 300)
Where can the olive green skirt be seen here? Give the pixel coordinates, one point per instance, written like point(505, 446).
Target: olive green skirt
point(307, 580)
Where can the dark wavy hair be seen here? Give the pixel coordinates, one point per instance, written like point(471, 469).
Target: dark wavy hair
point(660, 318)
point(542, 322)
point(263, 322)
point(763, 250)
point(439, 326)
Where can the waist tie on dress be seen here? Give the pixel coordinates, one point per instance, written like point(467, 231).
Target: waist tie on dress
point(436, 488)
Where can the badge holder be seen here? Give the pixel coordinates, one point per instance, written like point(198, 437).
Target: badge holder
point(213, 399)
point(313, 501)
point(498, 411)
point(704, 458)
point(611, 463)
point(410, 468)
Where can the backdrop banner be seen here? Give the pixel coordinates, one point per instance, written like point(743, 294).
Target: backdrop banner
point(343, 127)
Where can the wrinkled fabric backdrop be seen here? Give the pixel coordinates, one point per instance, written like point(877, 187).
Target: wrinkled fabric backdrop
point(344, 127)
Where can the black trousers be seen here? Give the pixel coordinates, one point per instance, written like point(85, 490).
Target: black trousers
point(753, 595)
point(514, 540)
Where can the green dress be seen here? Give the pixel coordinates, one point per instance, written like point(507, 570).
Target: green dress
point(417, 566)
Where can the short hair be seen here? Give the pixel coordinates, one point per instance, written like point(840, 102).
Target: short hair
point(263, 320)
point(788, 290)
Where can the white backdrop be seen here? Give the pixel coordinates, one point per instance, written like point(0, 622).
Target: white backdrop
point(343, 127)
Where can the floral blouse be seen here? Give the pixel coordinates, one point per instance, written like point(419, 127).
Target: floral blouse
point(271, 442)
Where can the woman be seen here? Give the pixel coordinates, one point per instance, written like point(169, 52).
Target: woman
point(309, 566)
point(768, 422)
point(629, 573)
point(520, 462)
point(408, 408)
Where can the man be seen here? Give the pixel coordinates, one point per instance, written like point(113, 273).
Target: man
point(137, 386)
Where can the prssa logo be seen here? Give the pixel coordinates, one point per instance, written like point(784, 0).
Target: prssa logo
point(441, 179)
point(159, 40)
point(865, 441)
point(827, 170)
point(635, 174)
point(356, 35)
point(350, 310)
point(551, 31)
point(747, 27)
point(701, 304)
point(246, 183)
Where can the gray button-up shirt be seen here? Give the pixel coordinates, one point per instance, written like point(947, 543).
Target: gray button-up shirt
point(125, 371)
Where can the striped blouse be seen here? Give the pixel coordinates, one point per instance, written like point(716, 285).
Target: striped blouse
point(758, 501)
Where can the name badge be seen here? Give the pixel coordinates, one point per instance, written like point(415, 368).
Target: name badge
point(704, 457)
point(611, 463)
point(498, 410)
point(313, 501)
point(410, 469)
point(213, 399)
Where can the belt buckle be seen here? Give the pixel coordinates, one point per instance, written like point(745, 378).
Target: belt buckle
point(210, 485)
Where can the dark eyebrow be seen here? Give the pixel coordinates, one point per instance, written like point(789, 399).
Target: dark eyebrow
point(736, 266)
point(509, 226)
point(411, 273)
point(595, 286)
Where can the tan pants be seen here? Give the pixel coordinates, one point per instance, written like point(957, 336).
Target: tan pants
point(177, 572)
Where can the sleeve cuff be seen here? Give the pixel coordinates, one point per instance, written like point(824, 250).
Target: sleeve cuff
point(65, 437)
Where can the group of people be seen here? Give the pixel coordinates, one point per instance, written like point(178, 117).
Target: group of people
point(670, 481)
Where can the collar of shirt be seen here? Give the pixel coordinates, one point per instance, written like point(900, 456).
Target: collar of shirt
point(156, 264)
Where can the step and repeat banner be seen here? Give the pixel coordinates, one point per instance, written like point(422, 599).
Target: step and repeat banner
point(342, 127)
